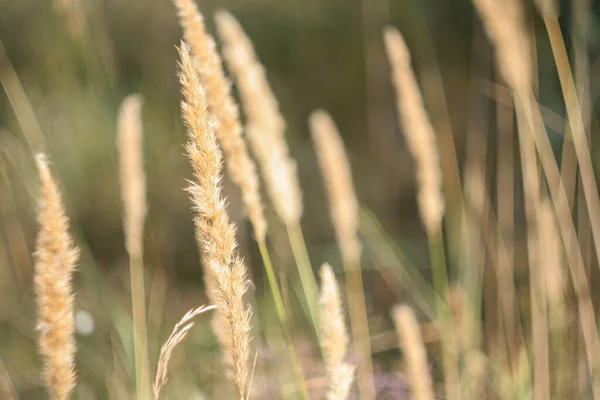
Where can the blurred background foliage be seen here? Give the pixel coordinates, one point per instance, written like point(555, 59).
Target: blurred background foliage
point(65, 67)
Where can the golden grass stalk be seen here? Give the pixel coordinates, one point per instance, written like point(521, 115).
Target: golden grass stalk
point(504, 26)
point(551, 258)
point(577, 125)
point(265, 125)
point(214, 231)
point(334, 338)
point(180, 331)
point(55, 259)
point(421, 141)
point(343, 208)
point(133, 194)
point(418, 132)
point(228, 128)
point(415, 354)
point(265, 131)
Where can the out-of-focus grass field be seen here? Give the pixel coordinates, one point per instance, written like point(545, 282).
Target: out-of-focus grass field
point(64, 73)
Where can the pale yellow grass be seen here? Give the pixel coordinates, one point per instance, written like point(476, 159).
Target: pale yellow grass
point(55, 262)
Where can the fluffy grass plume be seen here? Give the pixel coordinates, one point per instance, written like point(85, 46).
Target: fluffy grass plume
point(55, 259)
point(133, 193)
point(334, 337)
point(133, 179)
point(337, 175)
point(415, 354)
point(228, 127)
point(503, 22)
point(214, 231)
point(343, 207)
point(418, 132)
point(264, 124)
point(180, 331)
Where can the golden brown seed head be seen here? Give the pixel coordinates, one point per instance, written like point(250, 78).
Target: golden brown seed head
point(264, 123)
point(55, 259)
point(214, 231)
point(228, 128)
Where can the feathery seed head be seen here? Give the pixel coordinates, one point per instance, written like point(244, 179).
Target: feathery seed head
point(264, 124)
point(228, 128)
point(414, 352)
point(337, 175)
point(334, 339)
point(133, 180)
point(214, 231)
point(418, 132)
point(55, 262)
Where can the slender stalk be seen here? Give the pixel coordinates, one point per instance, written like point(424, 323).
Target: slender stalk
point(283, 318)
point(437, 254)
point(576, 123)
point(307, 277)
point(360, 328)
point(133, 193)
point(138, 303)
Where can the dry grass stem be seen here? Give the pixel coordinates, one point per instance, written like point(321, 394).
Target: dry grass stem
point(228, 128)
point(414, 352)
point(552, 261)
point(55, 259)
point(133, 193)
point(334, 337)
point(504, 26)
point(418, 132)
point(343, 207)
point(264, 124)
point(180, 331)
point(214, 231)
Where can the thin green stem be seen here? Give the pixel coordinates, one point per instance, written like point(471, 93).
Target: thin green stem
point(283, 318)
point(437, 255)
point(138, 305)
point(360, 327)
point(307, 277)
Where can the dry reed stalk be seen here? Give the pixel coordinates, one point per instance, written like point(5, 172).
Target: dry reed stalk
point(550, 249)
point(506, 34)
point(418, 132)
point(421, 141)
point(576, 119)
point(133, 194)
point(514, 49)
point(228, 127)
point(415, 354)
point(214, 231)
point(180, 331)
point(334, 337)
point(505, 199)
point(265, 131)
point(55, 259)
point(264, 124)
point(343, 208)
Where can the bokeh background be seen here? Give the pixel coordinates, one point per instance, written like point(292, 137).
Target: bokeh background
point(65, 67)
